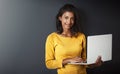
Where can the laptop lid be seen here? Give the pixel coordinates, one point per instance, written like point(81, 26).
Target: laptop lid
point(98, 45)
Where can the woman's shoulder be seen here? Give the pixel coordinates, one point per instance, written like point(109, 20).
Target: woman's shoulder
point(81, 34)
point(53, 34)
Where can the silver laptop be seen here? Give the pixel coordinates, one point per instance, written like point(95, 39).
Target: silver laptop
point(98, 45)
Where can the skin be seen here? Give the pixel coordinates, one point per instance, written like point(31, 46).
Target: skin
point(67, 21)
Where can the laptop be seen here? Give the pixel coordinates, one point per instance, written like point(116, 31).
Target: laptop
point(98, 45)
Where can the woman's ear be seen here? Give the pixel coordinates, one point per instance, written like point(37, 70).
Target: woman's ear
point(60, 18)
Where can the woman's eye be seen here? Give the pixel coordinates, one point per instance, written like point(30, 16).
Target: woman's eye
point(66, 17)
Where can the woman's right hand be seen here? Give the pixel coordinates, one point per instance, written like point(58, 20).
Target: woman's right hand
point(75, 59)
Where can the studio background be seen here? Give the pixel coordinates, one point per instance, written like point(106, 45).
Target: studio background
point(25, 24)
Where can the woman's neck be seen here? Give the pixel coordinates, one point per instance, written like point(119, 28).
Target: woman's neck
point(66, 33)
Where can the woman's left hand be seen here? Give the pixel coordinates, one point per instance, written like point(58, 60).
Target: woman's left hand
point(98, 62)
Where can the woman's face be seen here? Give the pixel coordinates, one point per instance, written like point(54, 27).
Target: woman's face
point(67, 20)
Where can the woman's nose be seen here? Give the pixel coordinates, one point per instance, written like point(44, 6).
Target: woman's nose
point(69, 21)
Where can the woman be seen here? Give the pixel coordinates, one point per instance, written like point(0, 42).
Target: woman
point(67, 44)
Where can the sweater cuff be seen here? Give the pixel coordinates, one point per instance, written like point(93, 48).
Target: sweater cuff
point(60, 65)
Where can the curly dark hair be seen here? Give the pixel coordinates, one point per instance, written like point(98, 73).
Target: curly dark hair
point(70, 8)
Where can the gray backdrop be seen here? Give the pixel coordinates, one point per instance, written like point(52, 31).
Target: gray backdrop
point(25, 24)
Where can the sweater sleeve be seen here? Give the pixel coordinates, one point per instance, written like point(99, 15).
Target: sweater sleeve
point(84, 47)
point(50, 61)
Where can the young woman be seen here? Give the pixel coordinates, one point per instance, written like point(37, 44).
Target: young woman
point(67, 44)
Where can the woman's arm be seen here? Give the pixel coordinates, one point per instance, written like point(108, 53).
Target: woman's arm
point(50, 60)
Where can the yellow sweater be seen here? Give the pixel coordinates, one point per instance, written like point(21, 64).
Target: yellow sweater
point(58, 48)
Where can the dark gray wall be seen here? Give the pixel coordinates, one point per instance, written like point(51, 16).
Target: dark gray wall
point(24, 25)
point(100, 17)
